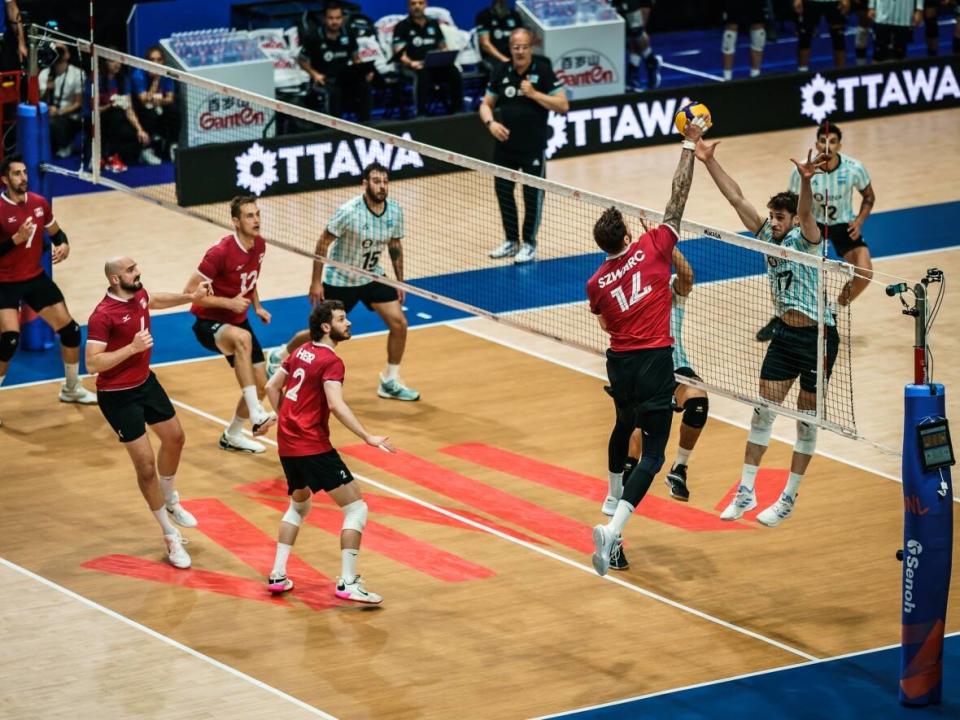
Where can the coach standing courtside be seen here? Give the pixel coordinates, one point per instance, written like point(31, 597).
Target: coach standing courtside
point(526, 90)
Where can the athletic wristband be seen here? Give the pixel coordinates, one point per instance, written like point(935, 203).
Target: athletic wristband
point(689, 145)
point(60, 238)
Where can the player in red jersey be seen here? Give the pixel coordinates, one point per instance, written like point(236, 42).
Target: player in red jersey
point(23, 218)
point(119, 344)
point(232, 267)
point(306, 388)
point(630, 293)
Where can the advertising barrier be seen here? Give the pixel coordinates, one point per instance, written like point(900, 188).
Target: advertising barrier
point(297, 163)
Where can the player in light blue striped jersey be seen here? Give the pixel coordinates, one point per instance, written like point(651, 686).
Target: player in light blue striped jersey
point(356, 235)
point(793, 351)
point(893, 22)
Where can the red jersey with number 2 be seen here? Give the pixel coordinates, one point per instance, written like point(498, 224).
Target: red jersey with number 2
point(232, 270)
point(303, 424)
point(23, 262)
point(631, 292)
point(114, 323)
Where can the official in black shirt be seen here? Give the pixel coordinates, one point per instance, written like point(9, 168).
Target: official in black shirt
point(494, 26)
point(413, 38)
point(326, 57)
point(526, 90)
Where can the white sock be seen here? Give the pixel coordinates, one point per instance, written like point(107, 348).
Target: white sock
point(748, 476)
point(634, 60)
point(236, 425)
point(348, 565)
point(161, 516)
point(392, 372)
point(166, 484)
point(802, 68)
point(793, 484)
point(754, 72)
point(620, 517)
point(615, 481)
point(72, 372)
point(728, 74)
point(251, 399)
point(683, 456)
point(1, 379)
point(280, 561)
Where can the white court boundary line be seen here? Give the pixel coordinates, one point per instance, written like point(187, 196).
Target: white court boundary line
point(461, 326)
point(734, 678)
point(165, 639)
point(530, 546)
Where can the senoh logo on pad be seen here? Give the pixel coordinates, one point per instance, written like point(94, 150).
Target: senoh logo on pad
point(912, 562)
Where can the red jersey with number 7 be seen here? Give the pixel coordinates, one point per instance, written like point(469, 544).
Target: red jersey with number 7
point(232, 270)
point(303, 423)
point(631, 292)
point(23, 261)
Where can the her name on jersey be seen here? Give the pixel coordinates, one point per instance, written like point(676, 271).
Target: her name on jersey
point(306, 355)
point(611, 277)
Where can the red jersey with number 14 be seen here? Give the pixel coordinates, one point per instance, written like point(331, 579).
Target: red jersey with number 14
point(631, 292)
point(113, 323)
point(303, 424)
point(23, 262)
point(232, 270)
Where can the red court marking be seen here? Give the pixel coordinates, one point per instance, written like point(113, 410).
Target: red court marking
point(397, 546)
point(559, 528)
point(768, 486)
point(680, 515)
point(397, 507)
point(193, 578)
point(255, 548)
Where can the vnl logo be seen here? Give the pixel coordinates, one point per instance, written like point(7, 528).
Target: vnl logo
point(876, 91)
point(912, 561)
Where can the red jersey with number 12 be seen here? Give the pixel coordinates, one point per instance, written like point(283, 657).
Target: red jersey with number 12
point(113, 323)
point(23, 262)
point(303, 424)
point(232, 270)
point(631, 292)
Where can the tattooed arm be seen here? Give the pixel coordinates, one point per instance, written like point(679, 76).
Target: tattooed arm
point(683, 177)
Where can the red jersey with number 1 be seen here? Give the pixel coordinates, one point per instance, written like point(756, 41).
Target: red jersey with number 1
point(631, 292)
point(114, 323)
point(23, 262)
point(303, 424)
point(232, 270)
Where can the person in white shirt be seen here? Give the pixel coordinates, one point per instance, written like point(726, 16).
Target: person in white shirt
point(61, 87)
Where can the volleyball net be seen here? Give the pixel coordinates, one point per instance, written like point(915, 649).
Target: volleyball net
point(207, 141)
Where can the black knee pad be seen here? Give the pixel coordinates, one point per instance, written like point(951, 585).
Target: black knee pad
point(70, 334)
point(695, 412)
point(8, 345)
point(654, 452)
point(838, 38)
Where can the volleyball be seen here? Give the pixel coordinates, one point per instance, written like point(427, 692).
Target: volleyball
point(688, 112)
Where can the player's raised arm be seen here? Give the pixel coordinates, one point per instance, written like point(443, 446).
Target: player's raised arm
point(727, 185)
point(234, 304)
point(684, 282)
point(808, 224)
point(164, 300)
point(683, 177)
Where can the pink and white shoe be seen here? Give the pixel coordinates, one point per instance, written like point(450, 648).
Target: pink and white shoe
point(354, 590)
point(277, 585)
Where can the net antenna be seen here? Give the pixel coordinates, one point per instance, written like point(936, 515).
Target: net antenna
point(304, 166)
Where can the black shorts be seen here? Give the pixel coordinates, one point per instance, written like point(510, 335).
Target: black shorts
point(641, 382)
point(369, 294)
point(745, 12)
point(38, 292)
point(839, 236)
point(130, 411)
point(325, 471)
point(206, 332)
point(793, 352)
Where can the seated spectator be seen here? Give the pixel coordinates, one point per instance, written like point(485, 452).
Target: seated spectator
point(494, 25)
point(327, 56)
point(414, 37)
point(122, 135)
point(61, 88)
point(155, 104)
